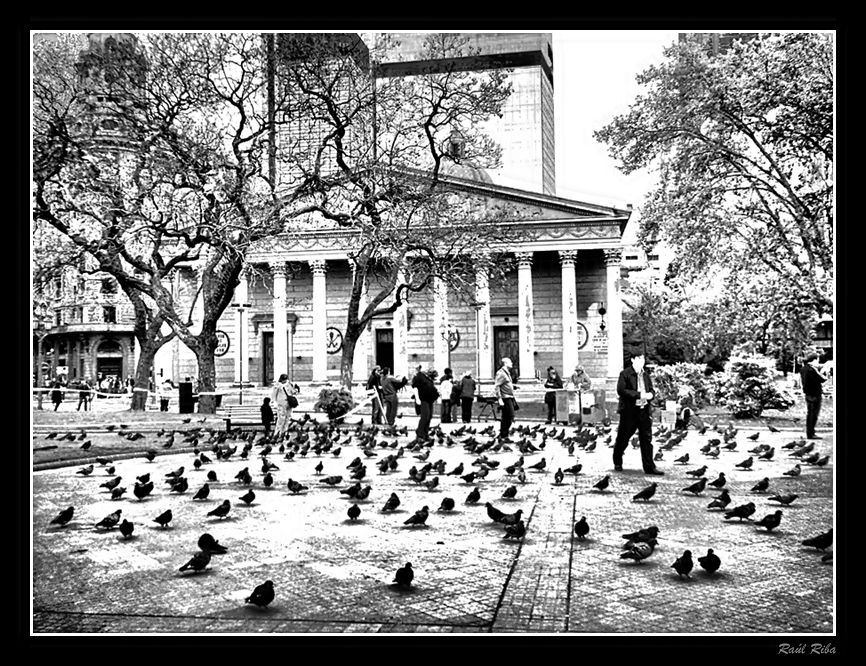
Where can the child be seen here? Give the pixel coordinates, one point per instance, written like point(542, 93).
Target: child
point(267, 415)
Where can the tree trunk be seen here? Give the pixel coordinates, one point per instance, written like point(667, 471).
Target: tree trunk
point(350, 340)
point(206, 383)
point(142, 375)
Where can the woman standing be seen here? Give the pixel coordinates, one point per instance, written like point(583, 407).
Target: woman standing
point(467, 395)
point(554, 381)
point(445, 387)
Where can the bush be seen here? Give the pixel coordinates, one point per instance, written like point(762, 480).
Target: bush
point(334, 402)
point(748, 387)
point(700, 390)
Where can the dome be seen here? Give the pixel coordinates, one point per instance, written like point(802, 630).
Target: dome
point(464, 171)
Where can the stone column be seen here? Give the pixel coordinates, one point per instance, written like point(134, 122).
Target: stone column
point(320, 321)
point(484, 330)
point(362, 347)
point(401, 347)
point(614, 313)
point(242, 338)
point(569, 312)
point(526, 323)
point(281, 342)
point(440, 325)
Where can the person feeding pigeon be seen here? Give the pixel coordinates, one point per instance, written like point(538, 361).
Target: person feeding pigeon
point(812, 379)
point(635, 391)
point(503, 388)
point(280, 398)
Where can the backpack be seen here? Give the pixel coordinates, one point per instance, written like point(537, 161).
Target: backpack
point(292, 400)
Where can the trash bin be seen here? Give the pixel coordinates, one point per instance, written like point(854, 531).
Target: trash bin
point(218, 400)
point(186, 402)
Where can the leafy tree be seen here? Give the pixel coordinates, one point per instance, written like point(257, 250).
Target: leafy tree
point(743, 145)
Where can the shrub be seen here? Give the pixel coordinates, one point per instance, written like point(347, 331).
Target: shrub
point(668, 380)
point(748, 387)
point(334, 402)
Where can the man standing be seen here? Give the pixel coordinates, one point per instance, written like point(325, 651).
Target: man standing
point(635, 392)
point(83, 394)
point(390, 386)
point(280, 398)
point(812, 379)
point(425, 395)
point(503, 389)
point(374, 385)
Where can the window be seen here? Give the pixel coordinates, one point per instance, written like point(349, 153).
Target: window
point(652, 257)
point(109, 314)
point(631, 257)
point(109, 286)
point(58, 318)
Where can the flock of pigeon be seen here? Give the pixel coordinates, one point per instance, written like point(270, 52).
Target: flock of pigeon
point(380, 446)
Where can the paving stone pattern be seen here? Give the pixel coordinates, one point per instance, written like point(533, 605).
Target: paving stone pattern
point(334, 575)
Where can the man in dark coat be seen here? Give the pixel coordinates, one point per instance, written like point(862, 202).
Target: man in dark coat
point(812, 380)
point(426, 394)
point(374, 388)
point(635, 391)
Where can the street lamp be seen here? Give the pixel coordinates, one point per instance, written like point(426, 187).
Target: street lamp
point(241, 307)
point(41, 330)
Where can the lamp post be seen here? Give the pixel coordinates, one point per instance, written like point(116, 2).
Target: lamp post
point(41, 331)
point(241, 307)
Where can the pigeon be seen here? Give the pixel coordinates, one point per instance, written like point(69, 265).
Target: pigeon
point(295, 487)
point(639, 551)
point(794, 471)
point(198, 562)
point(248, 497)
point(164, 518)
point(494, 513)
point(144, 478)
point(405, 575)
point(84, 471)
point(364, 493)
point(646, 493)
point(447, 505)
point(142, 490)
point(354, 511)
point(719, 482)
point(761, 485)
point(784, 500)
point(457, 471)
point(150, 455)
point(432, 483)
point(511, 518)
point(63, 517)
point(419, 518)
point(391, 503)
point(581, 528)
point(510, 492)
point(827, 557)
point(697, 472)
point(176, 474)
point(222, 510)
point(469, 478)
point(268, 480)
point(262, 595)
point(318, 468)
point(180, 486)
point(683, 459)
point(540, 465)
point(208, 544)
point(754, 437)
point(741, 511)
point(117, 493)
point(103, 461)
point(683, 564)
point(710, 562)
point(603, 484)
point(516, 531)
point(332, 480)
point(822, 461)
point(820, 542)
point(126, 528)
point(770, 521)
point(721, 501)
point(746, 464)
point(212, 476)
point(521, 476)
point(696, 488)
point(558, 476)
point(110, 520)
point(86, 445)
point(643, 534)
point(352, 490)
point(111, 485)
point(473, 497)
point(768, 454)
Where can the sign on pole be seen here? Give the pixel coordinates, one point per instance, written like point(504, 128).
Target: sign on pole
point(222, 343)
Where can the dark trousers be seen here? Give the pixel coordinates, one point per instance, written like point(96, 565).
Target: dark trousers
point(813, 408)
point(391, 409)
point(56, 405)
point(632, 419)
point(551, 408)
point(506, 418)
point(377, 410)
point(82, 400)
point(446, 411)
point(163, 404)
point(426, 412)
point(466, 408)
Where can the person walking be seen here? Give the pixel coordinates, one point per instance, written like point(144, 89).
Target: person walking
point(56, 395)
point(83, 395)
point(390, 386)
point(374, 384)
point(280, 398)
point(811, 380)
point(467, 395)
point(445, 388)
point(165, 391)
point(503, 389)
point(425, 394)
point(553, 381)
point(635, 391)
point(267, 415)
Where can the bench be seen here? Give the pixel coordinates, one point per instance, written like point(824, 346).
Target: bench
point(488, 405)
point(249, 415)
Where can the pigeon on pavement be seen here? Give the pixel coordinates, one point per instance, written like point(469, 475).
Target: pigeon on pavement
point(262, 595)
point(391, 503)
point(741, 511)
point(222, 510)
point(784, 500)
point(447, 504)
point(761, 486)
point(126, 528)
point(63, 517)
point(603, 484)
point(770, 521)
point(683, 564)
point(639, 551)
point(794, 471)
point(405, 575)
point(248, 497)
point(207, 543)
point(353, 512)
point(646, 493)
point(820, 542)
point(516, 531)
point(581, 528)
point(697, 488)
point(473, 496)
point(164, 518)
point(710, 562)
point(110, 520)
point(720, 502)
point(419, 518)
point(198, 562)
point(510, 492)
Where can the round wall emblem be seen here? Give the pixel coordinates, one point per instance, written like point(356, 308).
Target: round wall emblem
point(222, 343)
point(335, 340)
point(582, 336)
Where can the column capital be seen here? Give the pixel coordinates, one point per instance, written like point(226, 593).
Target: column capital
point(524, 259)
point(278, 269)
point(318, 266)
point(612, 256)
point(567, 257)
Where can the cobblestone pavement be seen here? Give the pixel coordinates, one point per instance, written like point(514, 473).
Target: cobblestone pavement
point(334, 575)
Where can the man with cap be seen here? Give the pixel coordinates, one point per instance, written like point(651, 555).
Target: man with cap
point(812, 379)
point(635, 391)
